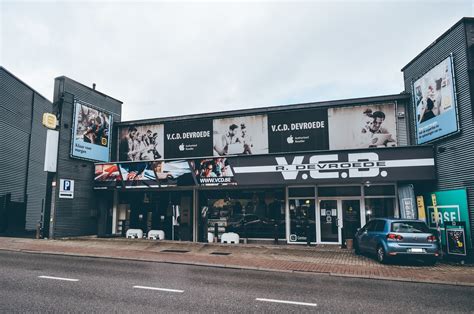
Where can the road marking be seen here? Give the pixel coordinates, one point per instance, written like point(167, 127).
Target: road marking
point(286, 302)
point(58, 278)
point(158, 289)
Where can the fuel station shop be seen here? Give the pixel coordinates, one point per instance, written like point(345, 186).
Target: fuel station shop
point(298, 173)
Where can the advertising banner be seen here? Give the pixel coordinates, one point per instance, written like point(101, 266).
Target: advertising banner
point(451, 206)
point(141, 142)
point(188, 138)
point(303, 130)
point(156, 174)
point(349, 166)
point(108, 175)
point(357, 166)
point(213, 171)
point(362, 126)
point(435, 103)
point(245, 135)
point(91, 133)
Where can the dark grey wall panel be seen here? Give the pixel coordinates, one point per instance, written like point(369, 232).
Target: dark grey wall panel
point(78, 216)
point(36, 186)
point(22, 145)
point(455, 165)
point(15, 120)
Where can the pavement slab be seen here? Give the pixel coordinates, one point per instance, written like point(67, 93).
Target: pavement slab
point(329, 260)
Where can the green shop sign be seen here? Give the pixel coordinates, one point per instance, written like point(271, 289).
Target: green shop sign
point(452, 206)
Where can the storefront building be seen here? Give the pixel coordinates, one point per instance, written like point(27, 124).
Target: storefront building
point(299, 173)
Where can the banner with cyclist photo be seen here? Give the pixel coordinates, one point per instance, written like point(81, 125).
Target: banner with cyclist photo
point(367, 126)
point(141, 142)
point(91, 132)
point(245, 135)
point(434, 97)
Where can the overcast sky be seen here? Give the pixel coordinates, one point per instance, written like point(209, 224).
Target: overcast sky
point(174, 58)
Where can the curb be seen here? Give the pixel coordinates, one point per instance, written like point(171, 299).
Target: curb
point(239, 267)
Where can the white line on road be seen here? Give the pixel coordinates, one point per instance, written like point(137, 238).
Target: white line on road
point(58, 278)
point(286, 302)
point(158, 289)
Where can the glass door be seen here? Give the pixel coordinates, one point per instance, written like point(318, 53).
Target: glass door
point(329, 212)
point(350, 217)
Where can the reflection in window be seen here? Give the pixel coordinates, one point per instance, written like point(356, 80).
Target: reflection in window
point(379, 208)
point(302, 220)
point(251, 214)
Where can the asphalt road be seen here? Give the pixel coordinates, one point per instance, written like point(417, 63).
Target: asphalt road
point(49, 283)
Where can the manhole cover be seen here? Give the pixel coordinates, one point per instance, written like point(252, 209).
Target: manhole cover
point(220, 253)
point(174, 251)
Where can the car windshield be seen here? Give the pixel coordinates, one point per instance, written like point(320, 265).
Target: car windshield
point(410, 227)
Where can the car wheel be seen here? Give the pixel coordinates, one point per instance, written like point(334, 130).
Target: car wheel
point(356, 247)
point(381, 255)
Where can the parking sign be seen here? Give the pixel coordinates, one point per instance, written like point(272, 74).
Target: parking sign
point(66, 188)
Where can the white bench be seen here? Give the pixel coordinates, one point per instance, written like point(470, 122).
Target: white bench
point(134, 234)
point(156, 235)
point(230, 237)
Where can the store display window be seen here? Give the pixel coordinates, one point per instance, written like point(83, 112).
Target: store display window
point(254, 214)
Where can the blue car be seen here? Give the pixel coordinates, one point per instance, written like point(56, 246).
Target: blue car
point(386, 237)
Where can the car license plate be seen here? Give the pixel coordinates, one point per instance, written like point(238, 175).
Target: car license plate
point(415, 250)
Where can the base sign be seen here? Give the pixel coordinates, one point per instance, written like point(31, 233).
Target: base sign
point(451, 206)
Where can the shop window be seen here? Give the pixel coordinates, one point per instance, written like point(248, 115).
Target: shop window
point(377, 190)
point(249, 213)
point(301, 192)
point(339, 191)
point(379, 208)
point(302, 220)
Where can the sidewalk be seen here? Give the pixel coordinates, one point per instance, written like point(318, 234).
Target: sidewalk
point(329, 260)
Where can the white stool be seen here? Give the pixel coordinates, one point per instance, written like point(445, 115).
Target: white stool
point(156, 235)
point(210, 237)
point(230, 237)
point(134, 234)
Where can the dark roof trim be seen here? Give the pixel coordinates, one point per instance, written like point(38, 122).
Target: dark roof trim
point(19, 80)
point(467, 19)
point(93, 90)
point(342, 102)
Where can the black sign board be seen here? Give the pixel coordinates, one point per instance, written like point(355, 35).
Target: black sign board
point(188, 138)
point(336, 167)
point(294, 131)
point(455, 237)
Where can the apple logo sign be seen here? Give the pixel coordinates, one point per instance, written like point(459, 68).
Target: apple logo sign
point(181, 147)
point(290, 139)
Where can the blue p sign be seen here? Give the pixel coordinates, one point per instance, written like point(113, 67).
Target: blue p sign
point(67, 185)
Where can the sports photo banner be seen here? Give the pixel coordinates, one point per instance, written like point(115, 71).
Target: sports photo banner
point(141, 142)
point(302, 130)
point(246, 135)
point(92, 130)
point(435, 103)
point(189, 138)
point(213, 171)
point(367, 126)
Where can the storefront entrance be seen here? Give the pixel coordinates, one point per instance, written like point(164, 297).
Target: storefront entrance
point(324, 219)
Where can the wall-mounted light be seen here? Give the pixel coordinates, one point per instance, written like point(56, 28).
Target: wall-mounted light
point(367, 183)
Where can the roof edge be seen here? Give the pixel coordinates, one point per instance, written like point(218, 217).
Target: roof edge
point(22, 82)
point(462, 20)
point(349, 101)
point(94, 90)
